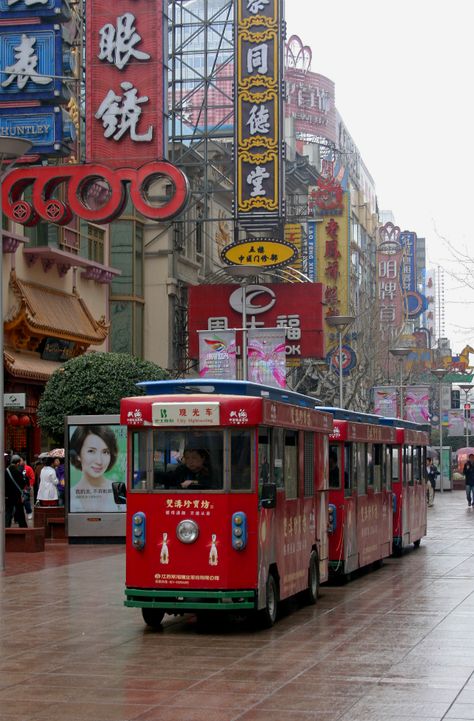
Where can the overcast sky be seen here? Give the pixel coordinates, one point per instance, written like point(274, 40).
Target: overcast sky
point(403, 71)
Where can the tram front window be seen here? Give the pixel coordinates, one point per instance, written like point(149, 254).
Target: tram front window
point(187, 460)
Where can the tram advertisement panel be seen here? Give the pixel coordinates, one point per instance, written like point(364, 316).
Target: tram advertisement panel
point(97, 457)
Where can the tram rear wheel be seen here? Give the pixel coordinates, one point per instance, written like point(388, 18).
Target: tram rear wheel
point(417, 543)
point(153, 617)
point(312, 591)
point(268, 615)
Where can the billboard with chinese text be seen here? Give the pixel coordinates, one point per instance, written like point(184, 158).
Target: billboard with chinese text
point(296, 307)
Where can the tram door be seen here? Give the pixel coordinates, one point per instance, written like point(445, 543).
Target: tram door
point(351, 550)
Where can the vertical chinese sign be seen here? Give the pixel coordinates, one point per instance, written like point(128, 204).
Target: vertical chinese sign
point(259, 104)
point(390, 292)
point(332, 265)
point(125, 82)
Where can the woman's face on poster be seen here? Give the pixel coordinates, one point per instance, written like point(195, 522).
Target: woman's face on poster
point(94, 456)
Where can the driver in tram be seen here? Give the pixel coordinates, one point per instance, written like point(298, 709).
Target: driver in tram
point(193, 471)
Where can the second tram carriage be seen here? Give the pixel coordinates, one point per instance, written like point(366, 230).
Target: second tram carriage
point(249, 530)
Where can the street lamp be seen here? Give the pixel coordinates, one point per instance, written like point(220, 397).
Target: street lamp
point(400, 354)
point(439, 373)
point(466, 387)
point(10, 150)
point(341, 323)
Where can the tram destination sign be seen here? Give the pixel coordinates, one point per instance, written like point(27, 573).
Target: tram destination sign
point(186, 414)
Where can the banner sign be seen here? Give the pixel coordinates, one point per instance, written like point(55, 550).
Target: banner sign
point(457, 423)
point(266, 356)
point(390, 293)
point(57, 9)
point(258, 112)
point(311, 272)
point(416, 403)
point(385, 401)
point(217, 354)
point(124, 82)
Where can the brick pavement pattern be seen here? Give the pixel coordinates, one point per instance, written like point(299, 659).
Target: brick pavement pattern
point(394, 644)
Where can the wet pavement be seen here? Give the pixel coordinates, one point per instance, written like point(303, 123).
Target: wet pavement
point(397, 643)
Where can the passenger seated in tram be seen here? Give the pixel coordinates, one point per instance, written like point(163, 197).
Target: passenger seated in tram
point(333, 470)
point(194, 471)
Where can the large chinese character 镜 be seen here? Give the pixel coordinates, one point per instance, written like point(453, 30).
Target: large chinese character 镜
point(117, 44)
point(120, 114)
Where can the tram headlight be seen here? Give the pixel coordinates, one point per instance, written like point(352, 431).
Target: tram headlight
point(138, 530)
point(187, 531)
point(239, 531)
point(332, 518)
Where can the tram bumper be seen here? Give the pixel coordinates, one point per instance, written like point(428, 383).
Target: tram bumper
point(180, 601)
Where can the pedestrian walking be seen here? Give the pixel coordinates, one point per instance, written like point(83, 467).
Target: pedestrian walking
point(48, 488)
point(431, 475)
point(468, 472)
point(14, 484)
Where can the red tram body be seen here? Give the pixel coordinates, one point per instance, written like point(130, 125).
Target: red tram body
point(409, 486)
point(360, 493)
point(256, 532)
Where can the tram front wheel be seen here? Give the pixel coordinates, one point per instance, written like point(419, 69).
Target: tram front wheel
point(153, 617)
point(267, 616)
point(312, 591)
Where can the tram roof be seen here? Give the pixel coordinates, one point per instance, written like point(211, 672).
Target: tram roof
point(343, 414)
point(402, 423)
point(182, 386)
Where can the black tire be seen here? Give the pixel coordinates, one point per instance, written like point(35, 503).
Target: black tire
point(312, 592)
point(417, 543)
point(268, 615)
point(153, 617)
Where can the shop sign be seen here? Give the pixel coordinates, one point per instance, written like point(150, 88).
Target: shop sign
point(15, 9)
point(31, 61)
point(258, 112)
point(261, 252)
point(124, 82)
point(49, 128)
point(389, 290)
point(14, 400)
point(57, 349)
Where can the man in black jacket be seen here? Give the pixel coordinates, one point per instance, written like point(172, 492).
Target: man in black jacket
point(468, 471)
point(14, 484)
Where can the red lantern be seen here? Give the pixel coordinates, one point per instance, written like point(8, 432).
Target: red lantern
point(24, 421)
point(13, 420)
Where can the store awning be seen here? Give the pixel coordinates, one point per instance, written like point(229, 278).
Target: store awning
point(25, 364)
point(47, 312)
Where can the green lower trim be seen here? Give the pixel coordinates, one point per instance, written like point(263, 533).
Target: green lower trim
point(179, 601)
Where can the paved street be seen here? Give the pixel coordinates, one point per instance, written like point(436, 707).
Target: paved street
point(397, 643)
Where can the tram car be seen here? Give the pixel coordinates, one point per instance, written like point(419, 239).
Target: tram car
point(227, 498)
point(408, 463)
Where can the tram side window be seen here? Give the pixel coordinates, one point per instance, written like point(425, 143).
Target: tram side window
point(309, 465)
point(334, 466)
point(395, 464)
point(278, 448)
point(408, 451)
point(240, 461)
point(378, 467)
point(291, 464)
point(417, 464)
point(387, 471)
point(139, 460)
point(370, 464)
point(348, 474)
point(264, 453)
point(360, 458)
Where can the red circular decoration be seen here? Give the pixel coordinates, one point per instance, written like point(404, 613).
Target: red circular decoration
point(13, 420)
point(24, 421)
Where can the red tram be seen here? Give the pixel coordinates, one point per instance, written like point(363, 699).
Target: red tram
point(408, 462)
point(360, 491)
point(246, 530)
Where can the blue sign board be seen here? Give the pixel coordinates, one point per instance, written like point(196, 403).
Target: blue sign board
point(14, 9)
point(50, 129)
point(312, 250)
point(31, 63)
